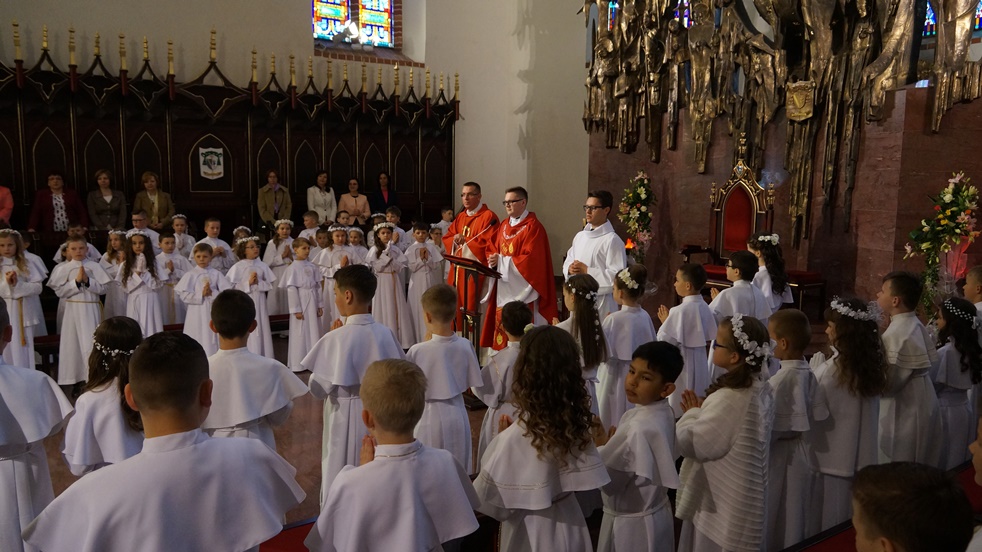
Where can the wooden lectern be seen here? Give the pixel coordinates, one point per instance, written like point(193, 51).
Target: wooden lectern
point(473, 271)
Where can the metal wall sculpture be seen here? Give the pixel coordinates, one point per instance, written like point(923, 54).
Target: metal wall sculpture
point(81, 120)
point(829, 63)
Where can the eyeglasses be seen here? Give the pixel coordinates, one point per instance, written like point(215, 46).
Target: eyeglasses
point(510, 202)
point(718, 345)
point(592, 208)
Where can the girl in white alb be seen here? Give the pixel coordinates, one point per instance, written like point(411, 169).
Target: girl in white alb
point(34, 302)
point(389, 306)
point(959, 368)
point(140, 278)
point(185, 243)
point(302, 281)
point(771, 279)
point(329, 260)
point(580, 296)
point(18, 282)
point(356, 244)
point(255, 278)
point(278, 256)
point(423, 259)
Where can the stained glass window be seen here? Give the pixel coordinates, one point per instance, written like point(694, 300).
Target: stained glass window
point(329, 17)
point(683, 13)
point(931, 21)
point(375, 20)
point(612, 15)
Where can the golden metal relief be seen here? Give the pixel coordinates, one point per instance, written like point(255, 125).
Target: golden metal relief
point(801, 100)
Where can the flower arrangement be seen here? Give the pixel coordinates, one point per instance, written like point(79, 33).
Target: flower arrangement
point(953, 221)
point(635, 212)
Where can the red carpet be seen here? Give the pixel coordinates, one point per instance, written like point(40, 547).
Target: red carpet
point(289, 540)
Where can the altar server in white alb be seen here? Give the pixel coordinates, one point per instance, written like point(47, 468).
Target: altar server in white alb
point(140, 278)
point(254, 277)
point(910, 423)
point(597, 250)
point(451, 366)
point(725, 439)
point(167, 497)
point(337, 364)
point(690, 326)
point(173, 308)
point(303, 281)
point(423, 258)
point(18, 281)
point(771, 278)
point(625, 330)
point(404, 495)
point(959, 368)
point(498, 374)
point(252, 394)
point(104, 429)
point(34, 409)
point(389, 306)
point(278, 256)
point(222, 255)
point(640, 456)
point(198, 289)
point(799, 402)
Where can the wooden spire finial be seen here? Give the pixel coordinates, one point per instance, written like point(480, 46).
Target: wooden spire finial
point(44, 38)
point(146, 49)
point(212, 44)
point(122, 52)
point(330, 73)
point(71, 45)
point(364, 76)
point(427, 82)
point(254, 75)
point(396, 78)
point(345, 75)
point(272, 64)
point(98, 48)
point(456, 84)
point(17, 54)
point(170, 57)
point(310, 66)
point(441, 80)
point(293, 72)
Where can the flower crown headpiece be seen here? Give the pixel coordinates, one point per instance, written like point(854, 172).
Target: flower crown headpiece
point(950, 307)
point(871, 314)
point(382, 225)
point(772, 239)
point(241, 241)
point(288, 222)
point(528, 327)
point(117, 232)
point(591, 295)
point(180, 216)
point(106, 351)
point(356, 229)
point(136, 232)
point(245, 228)
point(337, 228)
point(753, 349)
point(625, 276)
point(378, 215)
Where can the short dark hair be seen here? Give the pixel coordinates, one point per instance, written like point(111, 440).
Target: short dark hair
point(907, 286)
point(75, 224)
point(446, 208)
point(694, 273)
point(232, 312)
point(202, 247)
point(745, 262)
point(605, 197)
point(53, 172)
point(166, 372)
point(312, 214)
point(518, 190)
point(662, 357)
point(210, 220)
point(394, 211)
point(793, 325)
point(359, 280)
point(515, 316)
point(338, 214)
point(165, 234)
point(422, 226)
point(140, 212)
point(918, 507)
point(472, 185)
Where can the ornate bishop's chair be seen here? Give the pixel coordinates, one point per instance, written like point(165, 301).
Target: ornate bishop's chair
point(738, 209)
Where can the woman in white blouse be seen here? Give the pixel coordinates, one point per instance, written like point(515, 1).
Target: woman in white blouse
point(320, 198)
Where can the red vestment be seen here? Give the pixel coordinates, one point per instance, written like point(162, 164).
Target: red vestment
point(528, 246)
point(478, 231)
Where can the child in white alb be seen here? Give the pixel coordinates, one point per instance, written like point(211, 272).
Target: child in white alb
point(104, 429)
point(959, 368)
point(311, 222)
point(404, 494)
point(252, 394)
point(33, 303)
point(910, 423)
point(222, 256)
point(423, 258)
point(184, 243)
point(451, 366)
point(356, 244)
point(690, 326)
point(198, 289)
point(177, 265)
point(625, 330)
point(140, 276)
point(18, 281)
point(580, 297)
point(742, 298)
point(771, 278)
point(254, 277)
point(278, 256)
point(640, 456)
point(330, 260)
point(113, 259)
point(389, 306)
point(440, 272)
point(303, 281)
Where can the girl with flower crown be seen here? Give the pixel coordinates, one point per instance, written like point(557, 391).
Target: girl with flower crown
point(104, 429)
point(624, 330)
point(279, 255)
point(771, 278)
point(725, 439)
point(959, 368)
point(389, 305)
point(580, 297)
point(111, 260)
point(852, 380)
point(19, 280)
point(255, 278)
point(140, 276)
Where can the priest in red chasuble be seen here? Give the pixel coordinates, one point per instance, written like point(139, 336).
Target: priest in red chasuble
point(520, 252)
point(469, 236)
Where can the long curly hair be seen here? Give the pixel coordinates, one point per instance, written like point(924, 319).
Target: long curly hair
point(862, 360)
point(586, 326)
point(130, 260)
point(960, 330)
point(550, 394)
point(20, 261)
point(743, 375)
point(123, 335)
point(773, 261)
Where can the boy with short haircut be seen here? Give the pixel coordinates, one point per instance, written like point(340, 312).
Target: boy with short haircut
point(343, 218)
point(181, 480)
point(424, 258)
point(252, 394)
point(174, 310)
point(140, 220)
point(973, 286)
point(404, 494)
point(909, 507)
point(34, 409)
point(78, 282)
point(76, 230)
point(798, 403)
point(337, 364)
point(743, 297)
point(439, 274)
point(311, 221)
point(640, 456)
point(394, 215)
point(198, 289)
point(222, 257)
point(451, 366)
point(690, 326)
point(446, 219)
point(322, 239)
point(910, 417)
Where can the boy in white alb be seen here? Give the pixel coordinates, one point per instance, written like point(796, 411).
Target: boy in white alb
point(640, 456)
point(76, 229)
point(910, 418)
point(198, 289)
point(973, 292)
point(439, 274)
point(79, 282)
point(742, 298)
point(423, 258)
point(173, 309)
point(597, 250)
point(690, 326)
point(252, 394)
point(303, 281)
point(404, 495)
point(33, 409)
point(393, 215)
point(337, 364)
point(311, 222)
point(798, 403)
point(222, 257)
point(181, 480)
point(451, 366)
